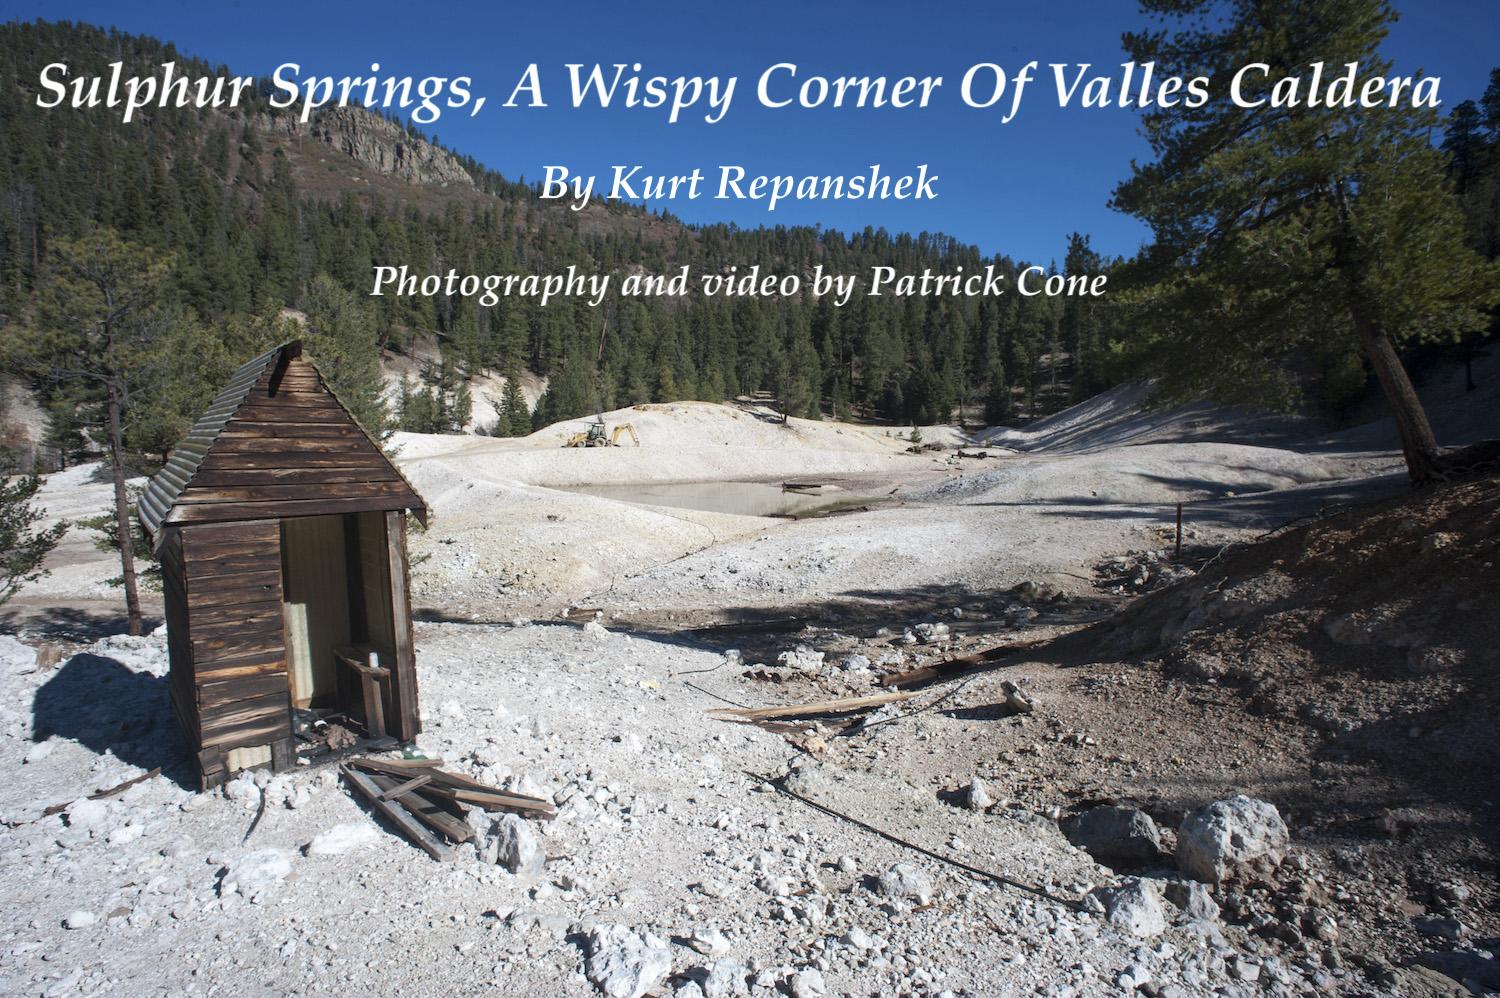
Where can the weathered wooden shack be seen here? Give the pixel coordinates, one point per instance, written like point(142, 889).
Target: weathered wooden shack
point(280, 526)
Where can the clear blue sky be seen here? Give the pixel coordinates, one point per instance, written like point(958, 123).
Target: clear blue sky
point(1016, 188)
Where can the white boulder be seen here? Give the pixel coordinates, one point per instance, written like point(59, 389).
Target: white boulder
point(87, 813)
point(1238, 836)
point(342, 838)
point(1133, 907)
point(80, 920)
point(255, 871)
point(16, 657)
point(517, 848)
point(904, 881)
point(623, 963)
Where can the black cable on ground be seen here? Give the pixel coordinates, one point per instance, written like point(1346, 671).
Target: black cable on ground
point(717, 697)
point(1004, 881)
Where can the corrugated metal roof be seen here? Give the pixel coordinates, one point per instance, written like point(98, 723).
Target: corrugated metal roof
point(164, 489)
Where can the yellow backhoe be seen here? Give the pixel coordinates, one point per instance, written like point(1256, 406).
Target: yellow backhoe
point(598, 435)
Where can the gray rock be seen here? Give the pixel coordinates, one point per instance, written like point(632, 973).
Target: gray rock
point(807, 984)
point(243, 789)
point(1133, 977)
point(856, 663)
point(377, 143)
point(1442, 928)
point(1016, 698)
point(85, 813)
point(724, 978)
point(1115, 835)
point(976, 796)
point(1464, 965)
point(1236, 837)
point(623, 963)
point(343, 838)
point(905, 881)
point(857, 939)
point(1320, 925)
point(803, 658)
point(516, 846)
point(1133, 907)
point(1243, 968)
point(931, 633)
point(1194, 899)
point(709, 942)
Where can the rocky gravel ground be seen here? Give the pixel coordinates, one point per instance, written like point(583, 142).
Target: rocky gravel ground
point(1098, 815)
point(672, 865)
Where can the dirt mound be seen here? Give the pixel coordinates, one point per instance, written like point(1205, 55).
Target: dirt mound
point(1349, 667)
point(1375, 616)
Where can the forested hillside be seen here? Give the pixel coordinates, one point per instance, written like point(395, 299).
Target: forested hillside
point(231, 222)
point(251, 214)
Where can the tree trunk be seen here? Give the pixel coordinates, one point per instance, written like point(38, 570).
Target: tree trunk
point(1418, 444)
point(122, 511)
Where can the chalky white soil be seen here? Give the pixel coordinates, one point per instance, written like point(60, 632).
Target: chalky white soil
point(661, 829)
point(720, 884)
point(506, 539)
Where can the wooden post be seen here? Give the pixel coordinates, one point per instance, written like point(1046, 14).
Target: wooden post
point(407, 722)
point(1178, 556)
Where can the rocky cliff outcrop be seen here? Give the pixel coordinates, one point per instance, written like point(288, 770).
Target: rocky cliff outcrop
point(376, 142)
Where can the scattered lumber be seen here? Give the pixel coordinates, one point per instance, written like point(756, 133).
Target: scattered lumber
point(120, 788)
point(845, 705)
point(457, 787)
point(441, 816)
point(114, 791)
point(402, 789)
point(397, 814)
point(959, 665)
point(421, 799)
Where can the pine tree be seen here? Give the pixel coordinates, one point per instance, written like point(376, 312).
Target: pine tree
point(94, 328)
point(22, 547)
point(1080, 326)
point(1276, 230)
point(63, 435)
point(515, 417)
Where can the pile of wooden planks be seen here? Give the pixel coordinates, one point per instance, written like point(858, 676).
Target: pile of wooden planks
point(429, 805)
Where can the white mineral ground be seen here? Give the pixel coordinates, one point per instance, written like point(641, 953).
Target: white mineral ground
point(661, 828)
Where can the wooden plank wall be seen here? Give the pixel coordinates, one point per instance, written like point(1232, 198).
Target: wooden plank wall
point(232, 575)
point(291, 450)
point(183, 688)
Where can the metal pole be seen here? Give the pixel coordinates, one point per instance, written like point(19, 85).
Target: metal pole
point(1178, 556)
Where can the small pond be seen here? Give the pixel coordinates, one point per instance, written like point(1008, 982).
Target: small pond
point(741, 498)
